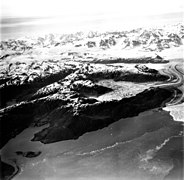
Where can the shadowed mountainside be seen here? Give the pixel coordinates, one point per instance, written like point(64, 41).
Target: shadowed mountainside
point(70, 107)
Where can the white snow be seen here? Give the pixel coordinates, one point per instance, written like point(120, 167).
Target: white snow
point(176, 111)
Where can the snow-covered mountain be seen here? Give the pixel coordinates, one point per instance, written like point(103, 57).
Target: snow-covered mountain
point(146, 39)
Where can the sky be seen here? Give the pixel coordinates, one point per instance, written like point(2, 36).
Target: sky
point(20, 17)
point(73, 8)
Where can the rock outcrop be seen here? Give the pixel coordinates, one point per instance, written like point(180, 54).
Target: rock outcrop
point(65, 99)
point(29, 154)
point(6, 170)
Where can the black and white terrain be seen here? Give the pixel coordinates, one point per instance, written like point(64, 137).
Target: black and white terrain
point(97, 105)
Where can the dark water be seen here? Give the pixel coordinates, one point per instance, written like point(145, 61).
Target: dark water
point(132, 148)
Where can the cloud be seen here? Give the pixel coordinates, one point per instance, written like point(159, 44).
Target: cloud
point(66, 8)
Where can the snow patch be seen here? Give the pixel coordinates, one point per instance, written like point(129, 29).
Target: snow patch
point(176, 111)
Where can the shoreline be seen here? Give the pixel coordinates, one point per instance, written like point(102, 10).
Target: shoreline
point(58, 103)
point(146, 112)
point(17, 168)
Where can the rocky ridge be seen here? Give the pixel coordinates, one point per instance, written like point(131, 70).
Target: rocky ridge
point(67, 102)
point(149, 39)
